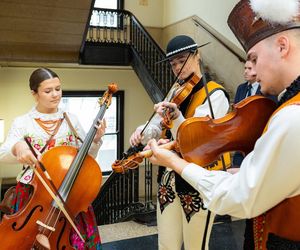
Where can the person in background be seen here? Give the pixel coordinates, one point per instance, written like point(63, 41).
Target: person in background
point(249, 88)
point(181, 214)
point(267, 186)
point(46, 126)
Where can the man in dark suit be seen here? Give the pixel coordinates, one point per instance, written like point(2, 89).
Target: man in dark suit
point(250, 87)
point(244, 90)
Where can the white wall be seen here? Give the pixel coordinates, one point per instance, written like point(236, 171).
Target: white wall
point(213, 12)
point(149, 12)
point(161, 13)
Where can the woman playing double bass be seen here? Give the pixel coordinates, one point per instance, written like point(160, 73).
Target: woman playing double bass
point(46, 126)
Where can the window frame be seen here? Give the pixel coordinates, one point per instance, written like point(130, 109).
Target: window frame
point(119, 23)
point(120, 4)
point(120, 114)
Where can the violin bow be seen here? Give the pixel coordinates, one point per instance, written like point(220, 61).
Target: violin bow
point(209, 104)
point(138, 148)
point(168, 94)
point(56, 197)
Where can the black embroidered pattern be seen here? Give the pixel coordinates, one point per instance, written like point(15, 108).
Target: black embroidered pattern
point(191, 203)
point(165, 196)
point(165, 193)
point(291, 91)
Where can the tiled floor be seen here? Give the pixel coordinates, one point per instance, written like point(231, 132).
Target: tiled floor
point(141, 243)
point(125, 230)
point(134, 236)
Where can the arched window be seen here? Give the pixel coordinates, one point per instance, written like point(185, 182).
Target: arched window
point(106, 18)
point(109, 4)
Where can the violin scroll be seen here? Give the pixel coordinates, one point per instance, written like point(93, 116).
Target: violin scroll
point(121, 166)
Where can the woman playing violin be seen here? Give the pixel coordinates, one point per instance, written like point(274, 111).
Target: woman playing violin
point(181, 215)
point(46, 126)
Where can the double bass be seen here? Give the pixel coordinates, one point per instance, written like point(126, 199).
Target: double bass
point(75, 180)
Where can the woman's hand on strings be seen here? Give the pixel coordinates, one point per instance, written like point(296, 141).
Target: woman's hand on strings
point(162, 107)
point(24, 154)
point(100, 131)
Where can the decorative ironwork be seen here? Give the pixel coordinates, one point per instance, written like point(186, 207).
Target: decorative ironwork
point(118, 199)
point(110, 26)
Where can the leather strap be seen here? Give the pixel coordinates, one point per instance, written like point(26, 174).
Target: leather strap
point(77, 137)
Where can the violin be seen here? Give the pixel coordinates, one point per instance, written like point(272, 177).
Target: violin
point(178, 97)
point(43, 223)
point(202, 140)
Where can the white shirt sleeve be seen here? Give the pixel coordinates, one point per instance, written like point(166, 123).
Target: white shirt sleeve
point(268, 175)
point(15, 134)
point(220, 106)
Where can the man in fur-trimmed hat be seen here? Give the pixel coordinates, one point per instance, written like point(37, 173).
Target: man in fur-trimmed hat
point(267, 187)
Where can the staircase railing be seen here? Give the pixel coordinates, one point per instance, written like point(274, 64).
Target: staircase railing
point(110, 26)
point(150, 54)
point(118, 199)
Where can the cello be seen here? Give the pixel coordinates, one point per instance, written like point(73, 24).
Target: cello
point(70, 169)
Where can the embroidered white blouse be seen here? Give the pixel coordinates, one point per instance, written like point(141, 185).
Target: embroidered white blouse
point(26, 125)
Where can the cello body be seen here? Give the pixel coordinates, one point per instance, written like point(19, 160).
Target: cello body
point(19, 230)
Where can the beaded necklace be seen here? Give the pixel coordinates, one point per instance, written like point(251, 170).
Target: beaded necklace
point(50, 127)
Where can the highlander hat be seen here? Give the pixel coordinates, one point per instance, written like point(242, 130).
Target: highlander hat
point(254, 20)
point(180, 44)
